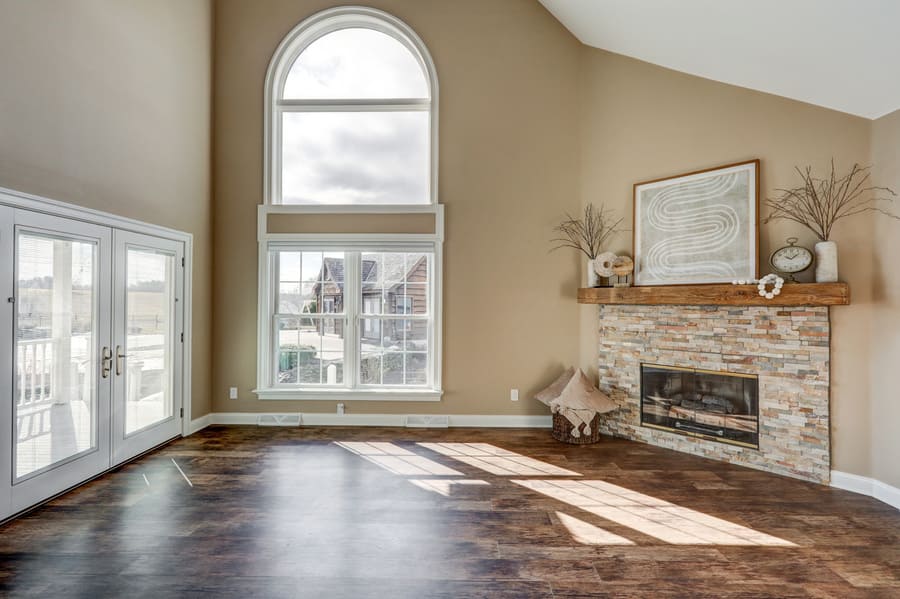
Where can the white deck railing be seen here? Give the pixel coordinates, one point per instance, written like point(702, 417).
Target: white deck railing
point(34, 369)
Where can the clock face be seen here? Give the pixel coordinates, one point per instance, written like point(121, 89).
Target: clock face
point(792, 259)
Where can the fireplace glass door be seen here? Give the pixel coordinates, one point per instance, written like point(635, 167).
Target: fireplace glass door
point(721, 406)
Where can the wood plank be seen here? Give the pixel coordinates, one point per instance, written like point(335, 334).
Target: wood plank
point(287, 512)
point(792, 294)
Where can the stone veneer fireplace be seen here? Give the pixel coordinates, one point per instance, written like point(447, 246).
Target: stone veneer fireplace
point(784, 350)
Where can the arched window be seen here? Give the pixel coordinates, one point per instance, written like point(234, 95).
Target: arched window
point(351, 113)
point(351, 127)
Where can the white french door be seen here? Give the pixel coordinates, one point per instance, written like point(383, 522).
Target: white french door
point(147, 345)
point(59, 391)
point(91, 373)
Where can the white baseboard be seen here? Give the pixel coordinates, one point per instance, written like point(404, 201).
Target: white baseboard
point(234, 417)
point(198, 424)
point(851, 482)
point(888, 494)
point(866, 486)
point(321, 419)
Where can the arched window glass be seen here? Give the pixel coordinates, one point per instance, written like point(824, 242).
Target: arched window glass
point(351, 113)
point(356, 63)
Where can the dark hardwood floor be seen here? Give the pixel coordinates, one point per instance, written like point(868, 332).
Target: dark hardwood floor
point(330, 512)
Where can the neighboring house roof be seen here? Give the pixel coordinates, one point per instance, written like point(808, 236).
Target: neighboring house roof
point(393, 269)
point(334, 269)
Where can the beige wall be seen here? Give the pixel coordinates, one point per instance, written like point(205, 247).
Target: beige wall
point(641, 122)
point(508, 75)
point(106, 104)
point(885, 393)
point(532, 124)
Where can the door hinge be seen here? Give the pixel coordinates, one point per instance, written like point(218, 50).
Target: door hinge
point(182, 261)
point(182, 412)
point(182, 337)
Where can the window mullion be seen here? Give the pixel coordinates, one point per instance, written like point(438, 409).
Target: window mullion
point(278, 152)
point(351, 308)
point(433, 307)
point(374, 105)
point(274, 267)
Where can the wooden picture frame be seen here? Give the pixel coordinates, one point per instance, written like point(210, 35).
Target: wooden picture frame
point(697, 228)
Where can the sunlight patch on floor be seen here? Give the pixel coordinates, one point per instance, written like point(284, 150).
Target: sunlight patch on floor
point(588, 534)
point(444, 486)
point(651, 516)
point(496, 460)
point(397, 460)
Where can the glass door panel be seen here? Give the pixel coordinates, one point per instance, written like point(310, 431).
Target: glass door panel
point(55, 396)
point(149, 338)
point(148, 348)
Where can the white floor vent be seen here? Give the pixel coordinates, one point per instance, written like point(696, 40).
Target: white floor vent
point(278, 420)
point(413, 421)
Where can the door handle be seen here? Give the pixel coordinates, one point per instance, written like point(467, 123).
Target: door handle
point(119, 357)
point(107, 362)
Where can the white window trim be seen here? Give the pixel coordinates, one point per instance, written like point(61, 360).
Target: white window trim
point(432, 242)
point(296, 41)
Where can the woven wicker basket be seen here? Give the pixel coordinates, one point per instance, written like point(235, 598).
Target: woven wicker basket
point(562, 431)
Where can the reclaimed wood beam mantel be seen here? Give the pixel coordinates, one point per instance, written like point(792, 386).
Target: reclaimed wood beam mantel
point(792, 294)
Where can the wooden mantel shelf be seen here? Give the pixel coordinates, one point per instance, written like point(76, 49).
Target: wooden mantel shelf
point(792, 294)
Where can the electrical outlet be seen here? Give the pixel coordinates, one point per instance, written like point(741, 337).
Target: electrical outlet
point(340, 409)
point(513, 395)
point(232, 393)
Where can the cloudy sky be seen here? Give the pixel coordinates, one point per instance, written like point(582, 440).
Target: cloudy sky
point(356, 157)
point(35, 259)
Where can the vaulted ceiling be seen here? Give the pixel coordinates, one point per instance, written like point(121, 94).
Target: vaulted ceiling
point(840, 54)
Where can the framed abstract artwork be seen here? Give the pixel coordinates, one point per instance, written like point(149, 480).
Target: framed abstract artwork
point(697, 228)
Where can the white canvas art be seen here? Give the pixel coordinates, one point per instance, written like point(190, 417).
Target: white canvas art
point(697, 228)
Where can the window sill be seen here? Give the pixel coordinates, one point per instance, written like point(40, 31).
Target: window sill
point(350, 395)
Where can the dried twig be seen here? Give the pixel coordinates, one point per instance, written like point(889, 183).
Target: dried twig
point(819, 203)
point(589, 233)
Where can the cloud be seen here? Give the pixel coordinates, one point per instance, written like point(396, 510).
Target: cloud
point(356, 63)
point(356, 157)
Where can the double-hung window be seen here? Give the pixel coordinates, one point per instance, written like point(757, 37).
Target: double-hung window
point(351, 130)
point(351, 319)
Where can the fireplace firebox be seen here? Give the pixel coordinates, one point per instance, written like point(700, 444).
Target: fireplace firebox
point(720, 406)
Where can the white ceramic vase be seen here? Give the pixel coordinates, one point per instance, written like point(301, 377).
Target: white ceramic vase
point(591, 274)
point(826, 262)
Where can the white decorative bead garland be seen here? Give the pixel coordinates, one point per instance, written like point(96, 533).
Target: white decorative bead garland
point(762, 284)
point(777, 283)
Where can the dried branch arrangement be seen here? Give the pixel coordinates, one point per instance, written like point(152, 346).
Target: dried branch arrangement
point(589, 233)
point(819, 203)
